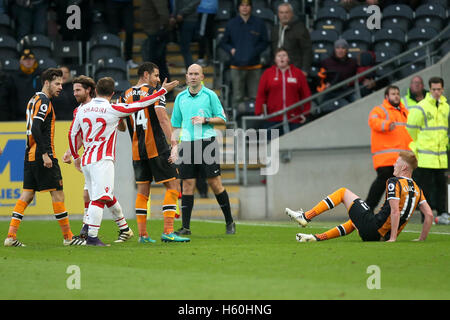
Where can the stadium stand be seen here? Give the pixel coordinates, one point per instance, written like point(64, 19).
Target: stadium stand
point(40, 44)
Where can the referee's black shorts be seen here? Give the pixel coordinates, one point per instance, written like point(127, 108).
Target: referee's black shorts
point(364, 220)
point(199, 159)
point(36, 177)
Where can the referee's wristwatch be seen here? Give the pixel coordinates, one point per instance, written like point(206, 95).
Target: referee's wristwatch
point(206, 120)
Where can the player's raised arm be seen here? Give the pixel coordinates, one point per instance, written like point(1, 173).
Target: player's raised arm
point(126, 109)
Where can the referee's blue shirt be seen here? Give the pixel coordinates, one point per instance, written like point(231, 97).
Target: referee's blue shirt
point(206, 104)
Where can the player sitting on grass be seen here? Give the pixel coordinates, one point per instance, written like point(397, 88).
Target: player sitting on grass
point(403, 195)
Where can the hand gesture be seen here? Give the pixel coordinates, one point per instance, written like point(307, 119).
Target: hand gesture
point(170, 86)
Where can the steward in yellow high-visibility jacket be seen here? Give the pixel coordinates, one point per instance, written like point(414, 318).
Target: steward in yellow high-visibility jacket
point(427, 125)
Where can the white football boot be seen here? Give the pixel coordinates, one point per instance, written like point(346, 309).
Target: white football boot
point(298, 216)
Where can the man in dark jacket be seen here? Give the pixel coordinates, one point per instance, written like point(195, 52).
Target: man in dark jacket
point(245, 39)
point(339, 67)
point(292, 35)
point(186, 16)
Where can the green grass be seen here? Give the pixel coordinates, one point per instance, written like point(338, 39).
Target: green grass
point(261, 262)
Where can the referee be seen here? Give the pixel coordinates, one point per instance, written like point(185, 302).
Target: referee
point(196, 110)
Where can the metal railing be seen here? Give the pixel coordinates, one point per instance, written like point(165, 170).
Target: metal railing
point(346, 83)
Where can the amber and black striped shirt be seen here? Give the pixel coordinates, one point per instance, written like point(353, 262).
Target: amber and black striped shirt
point(409, 195)
point(40, 117)
point(147, 137)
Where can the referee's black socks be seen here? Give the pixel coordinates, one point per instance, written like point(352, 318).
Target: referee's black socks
point(187, 203)
point(224, 203)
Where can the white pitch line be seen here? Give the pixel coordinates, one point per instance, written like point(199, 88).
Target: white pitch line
point(290, 226)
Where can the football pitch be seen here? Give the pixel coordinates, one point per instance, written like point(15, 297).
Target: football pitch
point(262, 261)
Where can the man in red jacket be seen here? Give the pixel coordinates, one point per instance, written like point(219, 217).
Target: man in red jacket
point(281, 86)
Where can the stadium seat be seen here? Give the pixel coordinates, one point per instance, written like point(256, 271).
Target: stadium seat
point(224, 13)
point(105, 45)
point(389, 38)
point(359, 39)
point(9, 65)
point(445, 43)
point(331, 18)
point(430, 15)
point(296, 6)
point(69, 50)
point(8, 47)
point(47, 62)
point(322, 44)
point(382, 56)
point(331, 106)
point(330, 3)
point(357, 17)
point(398, 15)
point(267, 16)
point(5, 25)
point(114, 67)
point(41, 45)
point(419, 35)
point(410, 69)
point(120, 86)
point(259, 4)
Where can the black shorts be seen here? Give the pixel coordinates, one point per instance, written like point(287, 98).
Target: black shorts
point(364, 221)
point(158, 169)
point(199, 159)
point(36, 177)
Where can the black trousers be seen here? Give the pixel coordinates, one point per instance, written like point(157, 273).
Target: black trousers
point(378, 187)
point(433, 182)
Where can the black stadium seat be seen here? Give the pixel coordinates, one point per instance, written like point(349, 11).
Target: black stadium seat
point(331, 18)
point(47, 62)
point(5, 25)
point(359, 39)
point(398, 15)
point(389, 38)
point(322, 44)
point(69, 50)
point(431, 15)
point(357, 17)
point(105, 45)
point(333, 105)
point(41, 45)
point(114, 67)
point(224, 13)
point(9, 65)
point(8, 47)
point(419, 35)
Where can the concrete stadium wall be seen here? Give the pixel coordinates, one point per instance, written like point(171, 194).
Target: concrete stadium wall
point(332, 152)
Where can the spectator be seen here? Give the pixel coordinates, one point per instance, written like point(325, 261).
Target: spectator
point(65, 103)
point(416, 92)
point(26, 81)
point(388, 137)
point(430, 144)
point(281, 86)
point(339, 67)
point(187, 18)
point(207, 10)
point(367, 83)
point(292, 35)
point(155, 22)
point(120, 14)
point(245, 39)
point(30, 17)
point(7, 98)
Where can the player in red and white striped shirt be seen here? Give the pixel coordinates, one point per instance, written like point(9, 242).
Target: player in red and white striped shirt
point(97, 121)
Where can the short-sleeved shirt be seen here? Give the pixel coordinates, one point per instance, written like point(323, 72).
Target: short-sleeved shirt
point(409, 195)
point(205, 103)
point(40, 109)
point(147, 136)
